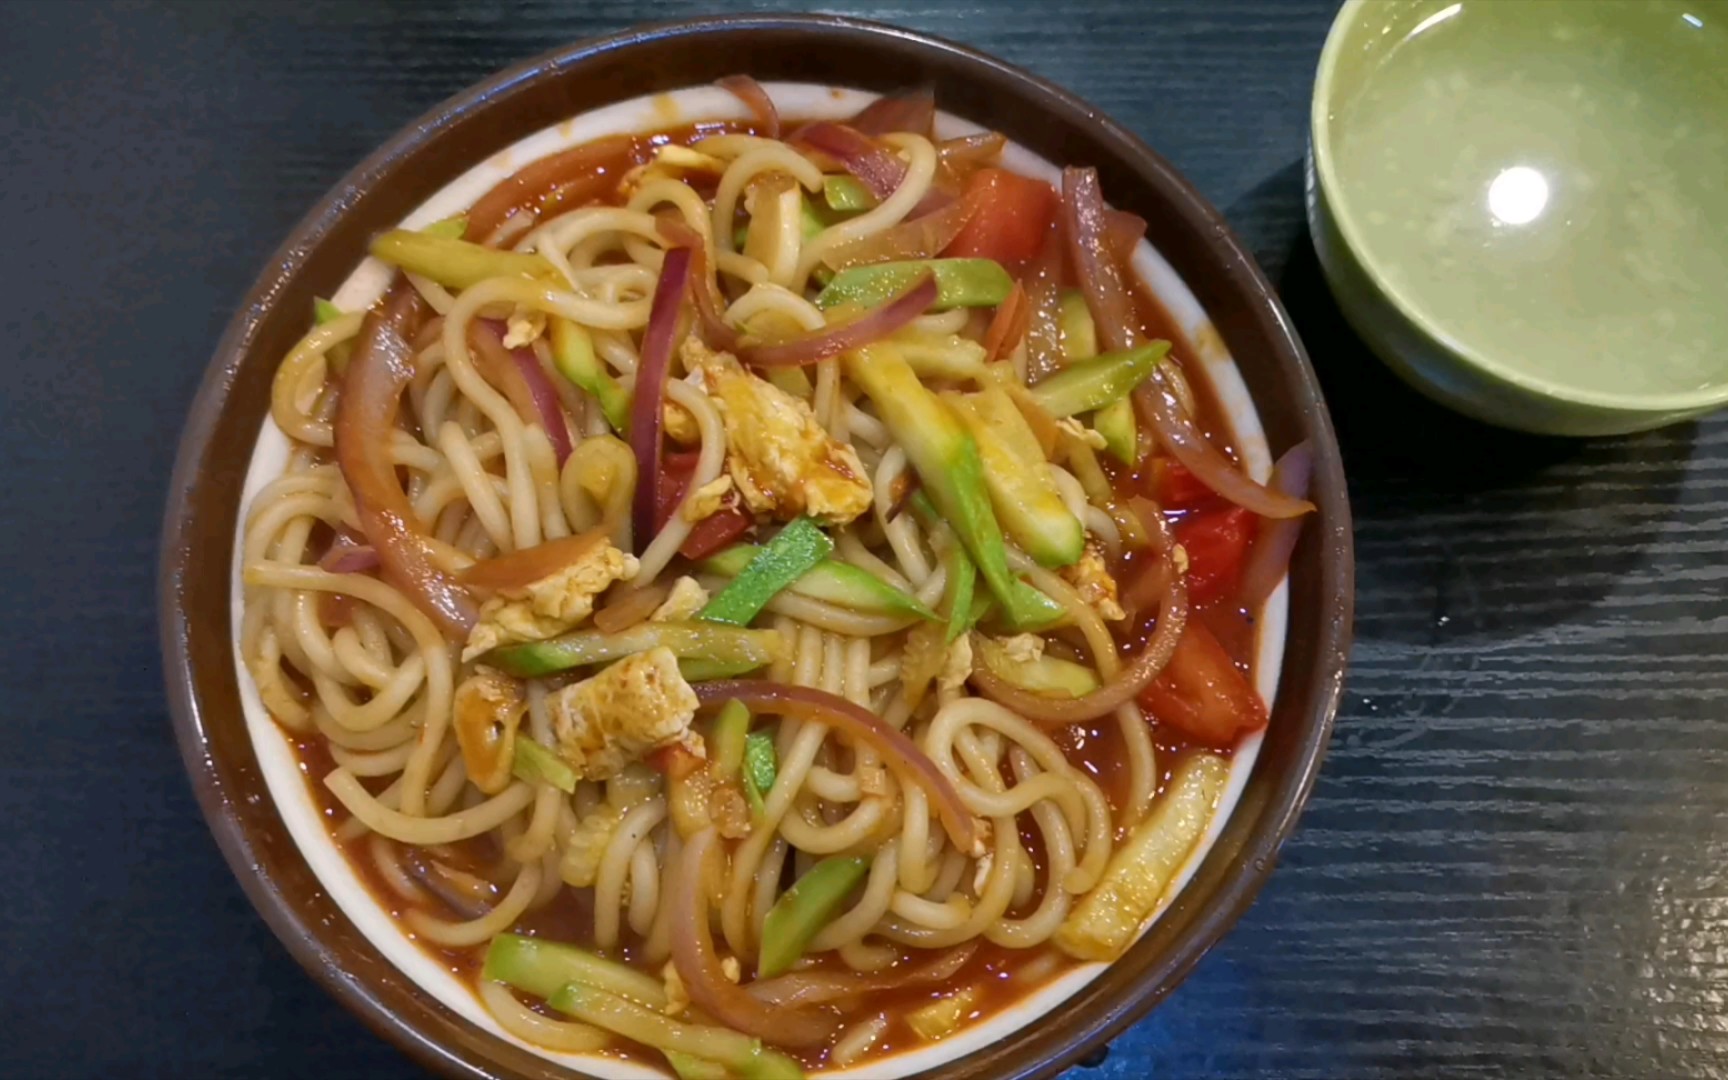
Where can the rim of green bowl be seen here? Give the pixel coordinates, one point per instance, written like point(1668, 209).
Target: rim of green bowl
point(1332, 192)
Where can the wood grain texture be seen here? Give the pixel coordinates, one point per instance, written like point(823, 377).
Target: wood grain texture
point(1511, 865)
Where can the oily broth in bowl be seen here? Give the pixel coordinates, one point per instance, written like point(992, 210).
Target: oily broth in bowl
point(304, 805)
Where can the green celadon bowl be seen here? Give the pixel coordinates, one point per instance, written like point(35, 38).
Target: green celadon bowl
point(1522, 205)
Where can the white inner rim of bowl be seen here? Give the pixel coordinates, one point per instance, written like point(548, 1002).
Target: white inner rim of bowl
point(281, 766)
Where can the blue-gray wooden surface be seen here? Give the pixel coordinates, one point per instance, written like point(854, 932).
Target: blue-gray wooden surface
point(1511, 865)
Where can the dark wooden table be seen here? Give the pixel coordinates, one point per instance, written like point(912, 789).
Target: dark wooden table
point(1513, 863)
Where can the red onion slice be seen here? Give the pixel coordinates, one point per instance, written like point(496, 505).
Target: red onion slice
point(1084, 222)
point(914, 112)
point(980, 149)
point(818, 987)
point(756, 99)
point(1164, 415)
point(875, 166)
point(923, 236)
point(379, 369)
point(1122, 234)
point(874, 325)
point(646, 410)
point(546, 402)
point(716, 332)
point(699, 965)
point(519, 569)
point(347, 557)
point(574, 176)
point(1124, 686)
point(1270, 558)
point(1043, 282)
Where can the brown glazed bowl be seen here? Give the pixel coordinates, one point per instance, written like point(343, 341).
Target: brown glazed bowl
point(233, 401)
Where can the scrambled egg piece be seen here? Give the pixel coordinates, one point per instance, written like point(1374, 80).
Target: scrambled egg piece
point(1083, 433)
point(550, 606)
point(681, 427)
point(485, 712)
point(873, 779)
point(981, 875)
point(677, 996)
point(640, 703)
point(681, 605)
point(707, 500)
point(783, 462)
point(523, 327)
point(956, 666)
point(1024, 648)
point(579, 865)
point(729, 812)
point(1092, 580)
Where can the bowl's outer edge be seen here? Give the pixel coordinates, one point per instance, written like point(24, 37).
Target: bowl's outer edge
point(232, 400)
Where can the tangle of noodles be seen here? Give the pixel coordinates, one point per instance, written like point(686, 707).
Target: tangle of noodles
point(982, 820)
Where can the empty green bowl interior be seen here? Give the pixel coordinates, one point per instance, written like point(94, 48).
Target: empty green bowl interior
point(1541, 185)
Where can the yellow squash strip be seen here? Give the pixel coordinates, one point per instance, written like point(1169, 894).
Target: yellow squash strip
point(1110, 917)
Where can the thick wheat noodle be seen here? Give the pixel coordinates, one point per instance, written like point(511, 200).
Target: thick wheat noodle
point(433, 654)
point(399, 730)
point(529, 1026)
point(476, 483)
point(659, 944)
point(536, 839)
point(372, 762)
point(709, 462)
point(840, 620)
point(952, 721)
point(771, 156)
point(1142, 763)
point(945, 915)
point(427, 830)
point(951, 321)
point(851, 549)
point(614, 864)
point(1083, 615)
point(920, 169)
point(386, 856)
point(543, 465)
point(770, 297)
point(494, 922)
point(352, 661)
point(270, 520)
point(437, 297)
point(870, 430)
point(871, 906)
point(381, 707)
point(732, 145)
point(316, 644)
point(831, 786)
point(301, 374)
point(1059, 862)
point(644, 888)
point(865, 955)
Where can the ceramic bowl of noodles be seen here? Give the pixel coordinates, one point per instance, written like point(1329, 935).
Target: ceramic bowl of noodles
point(756, 547)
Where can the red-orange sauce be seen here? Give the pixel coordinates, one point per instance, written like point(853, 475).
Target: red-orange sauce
point(1098, 748)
